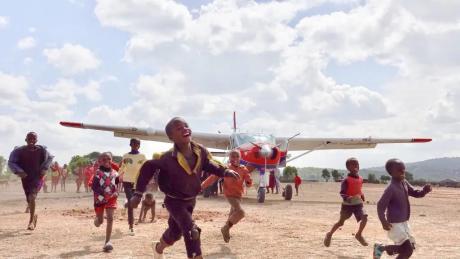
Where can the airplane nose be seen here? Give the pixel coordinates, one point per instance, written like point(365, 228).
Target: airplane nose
point(266, 151)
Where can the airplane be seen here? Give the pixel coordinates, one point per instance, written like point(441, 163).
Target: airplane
point(259, 152)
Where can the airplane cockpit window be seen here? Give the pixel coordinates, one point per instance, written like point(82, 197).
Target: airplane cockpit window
point(243, 138)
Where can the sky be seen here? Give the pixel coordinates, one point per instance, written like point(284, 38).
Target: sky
point(322, 68)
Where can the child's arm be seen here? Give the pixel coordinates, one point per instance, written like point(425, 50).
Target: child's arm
point(417, 193)
point(146, 173)
point(214, 167)
point(343, 190)
point(13, 164)
point(209, 181)
point(382, 206)
point(95, 185)
point(142, 212)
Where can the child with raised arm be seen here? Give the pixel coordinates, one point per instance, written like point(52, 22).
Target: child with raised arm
point(352, 204)
point(104, 186)
point(233, 191)
point(395, 202)
point(179, 178)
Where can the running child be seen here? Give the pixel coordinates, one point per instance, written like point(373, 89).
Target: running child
point(104, 186)
point(129, 170)
point(179, 178)
point(30, 162)
point(353, 199)
point(233, 191)
point(395, 202)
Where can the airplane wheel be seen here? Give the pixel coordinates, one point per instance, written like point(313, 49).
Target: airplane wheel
point(288, 192)
point(261, 195)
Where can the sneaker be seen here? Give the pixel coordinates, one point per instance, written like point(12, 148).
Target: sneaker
point(131, 232)
point(157, 255)
point(107, 247)
point(378, 251)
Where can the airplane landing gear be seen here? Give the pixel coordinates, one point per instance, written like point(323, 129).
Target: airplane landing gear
point(287, 192)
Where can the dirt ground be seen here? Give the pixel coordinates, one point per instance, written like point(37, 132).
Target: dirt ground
point(275, 229)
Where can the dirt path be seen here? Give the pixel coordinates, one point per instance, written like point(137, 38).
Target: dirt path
point(275, 229)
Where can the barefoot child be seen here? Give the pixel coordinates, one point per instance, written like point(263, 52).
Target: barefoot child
point(148, 203)
point(353, 199)
point(30, 163)
point(104, 186)
point(395, 201)
point(179, 178)
point(129, 170)
point(233, 191)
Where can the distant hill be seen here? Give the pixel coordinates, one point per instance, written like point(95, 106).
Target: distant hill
point(436, 169)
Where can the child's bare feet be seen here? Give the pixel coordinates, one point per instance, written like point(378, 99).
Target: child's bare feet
point(327, 239)
point(361, 240)
point(33, 224)
point(97, 222)
point(225, 233)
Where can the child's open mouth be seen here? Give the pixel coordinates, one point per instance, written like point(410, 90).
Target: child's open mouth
point(187, 134)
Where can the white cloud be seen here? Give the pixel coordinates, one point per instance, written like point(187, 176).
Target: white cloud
point(72, 59)
point(66, 91)
point(26, 43)
point(13, 90)
point(28, 61)
point(3, 21)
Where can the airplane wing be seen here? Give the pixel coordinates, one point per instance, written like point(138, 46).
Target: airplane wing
point(300, 144)
point(209, 140)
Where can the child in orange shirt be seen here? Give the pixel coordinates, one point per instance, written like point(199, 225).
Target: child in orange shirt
point(233, 191)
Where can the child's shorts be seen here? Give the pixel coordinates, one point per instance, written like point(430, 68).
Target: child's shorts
point(347, 210)
point(111, 204)
point(400, 232)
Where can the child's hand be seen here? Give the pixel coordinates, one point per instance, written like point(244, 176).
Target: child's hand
point(427, 188)
point(387, 226)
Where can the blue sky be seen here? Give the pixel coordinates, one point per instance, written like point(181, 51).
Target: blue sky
point(332, 68)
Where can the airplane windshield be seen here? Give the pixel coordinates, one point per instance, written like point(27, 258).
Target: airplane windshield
point(243, 138)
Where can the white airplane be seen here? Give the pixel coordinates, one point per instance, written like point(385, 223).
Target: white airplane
point(263, 152)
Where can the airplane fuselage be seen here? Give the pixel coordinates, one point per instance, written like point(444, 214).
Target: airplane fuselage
point(258, 150)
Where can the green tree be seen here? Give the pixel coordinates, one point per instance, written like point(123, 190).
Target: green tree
point(289, 173)
point(385, 178)
point(78, 161)
point(372, 178)
point(326, 175)
point(336, 175)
